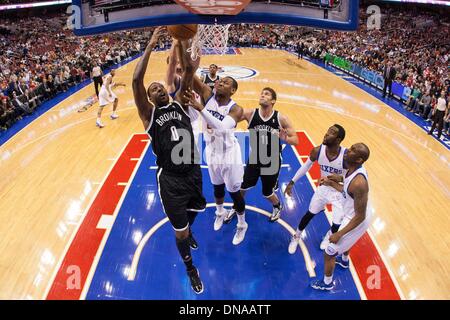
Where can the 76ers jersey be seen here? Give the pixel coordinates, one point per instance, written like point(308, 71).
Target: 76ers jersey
point(331, 166)
point(219, 140)
point(348, 202)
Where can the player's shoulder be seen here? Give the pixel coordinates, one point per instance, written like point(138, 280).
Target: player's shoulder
point(314, 155)
point(359, 183)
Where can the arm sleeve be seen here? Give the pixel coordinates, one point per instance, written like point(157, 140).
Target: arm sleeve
point(227, 123)
point(303, 170)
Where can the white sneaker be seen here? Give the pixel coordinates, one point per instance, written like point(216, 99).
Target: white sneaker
point(240, 233)
point(114, 116)
point(99, 124)
point(293, 244)
point(218, 222)
point(325, 241)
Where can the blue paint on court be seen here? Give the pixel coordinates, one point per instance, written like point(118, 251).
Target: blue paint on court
point(259, 268)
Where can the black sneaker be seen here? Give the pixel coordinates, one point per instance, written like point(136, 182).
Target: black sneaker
point(192, 242)
point(230, 215)
point(196, 283)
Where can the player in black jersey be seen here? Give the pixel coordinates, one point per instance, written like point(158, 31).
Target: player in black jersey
point(179, 175)
point(267, 128)
point(211, 78)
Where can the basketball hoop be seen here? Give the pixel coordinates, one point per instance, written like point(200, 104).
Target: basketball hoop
point(210, 36)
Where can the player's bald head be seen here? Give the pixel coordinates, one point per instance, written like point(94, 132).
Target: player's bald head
point(362, 150)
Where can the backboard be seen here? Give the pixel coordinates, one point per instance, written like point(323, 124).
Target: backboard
point(100, 16)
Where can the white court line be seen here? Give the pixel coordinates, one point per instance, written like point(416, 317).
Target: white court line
point(106, 221)
point(137, 255)
point(102, 245)
point(80, 222)
point(123, 184)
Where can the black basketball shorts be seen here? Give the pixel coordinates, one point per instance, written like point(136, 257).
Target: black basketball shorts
point(180, 194)
point(269, 182)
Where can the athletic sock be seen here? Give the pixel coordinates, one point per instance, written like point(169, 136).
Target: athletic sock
point(241, 218)
point(219, 207)
point(298, 233)
point(345, 257)
point(327, 280)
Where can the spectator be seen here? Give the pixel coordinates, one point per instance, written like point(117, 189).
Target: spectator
point(20, 104)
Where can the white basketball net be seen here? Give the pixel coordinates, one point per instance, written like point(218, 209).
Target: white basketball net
point(212, 37)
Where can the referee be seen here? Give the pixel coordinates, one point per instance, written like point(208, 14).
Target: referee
point(96, 75)
point(440, 112)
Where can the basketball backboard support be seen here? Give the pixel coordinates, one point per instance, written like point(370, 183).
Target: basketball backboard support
point(101, 16)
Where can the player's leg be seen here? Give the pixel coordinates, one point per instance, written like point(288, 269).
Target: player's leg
point(174, 199)
point(219, 187)
point(233, 176)
point(251, 176)
point(115, 104)
point(342, 247)
point(335, 198)
point(196, 204)
point(316, 205)
point(99, 122)
point(269, 188)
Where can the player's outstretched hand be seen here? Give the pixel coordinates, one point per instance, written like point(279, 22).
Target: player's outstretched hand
point(189, 98)
point(288, 190)
point(155, 37)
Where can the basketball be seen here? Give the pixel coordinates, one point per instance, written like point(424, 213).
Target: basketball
point(183, 31)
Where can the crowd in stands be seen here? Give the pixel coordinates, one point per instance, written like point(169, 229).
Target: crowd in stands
point(417, 45)
point(39, 58)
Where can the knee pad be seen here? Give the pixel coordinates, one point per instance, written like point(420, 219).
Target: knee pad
point(238, 201)
point(219, 191)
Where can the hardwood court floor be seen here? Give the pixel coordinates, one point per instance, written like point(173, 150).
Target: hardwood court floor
point(52, 169)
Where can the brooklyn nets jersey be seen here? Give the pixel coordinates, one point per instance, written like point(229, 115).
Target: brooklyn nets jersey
point(210, 82)
point(170, 128)
point(264, 133)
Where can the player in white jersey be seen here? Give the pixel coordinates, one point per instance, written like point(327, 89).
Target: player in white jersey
point(329, 156)
point(357, 215)
point(223, 153)
point(107, 96)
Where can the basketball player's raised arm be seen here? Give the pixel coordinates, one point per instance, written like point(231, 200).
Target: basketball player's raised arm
point(247, 115)
point(140, 94)
point(313, 155)
point(288, 133)
point(173, 60)
point(189, 68)
point(229, 122)
point(359, 188)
